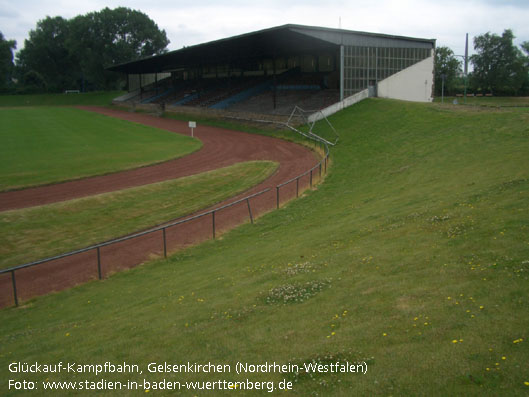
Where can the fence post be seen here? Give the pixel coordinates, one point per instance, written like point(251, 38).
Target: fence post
point(98, 263)
point(213, 223)
point(249, 210)
point(320, 169)
point(277, 196)
point(164, 244)
point(311, 179)
point(297, 187)
point(13, 280)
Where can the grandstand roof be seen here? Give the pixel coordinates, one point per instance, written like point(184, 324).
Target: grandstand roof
point(267, 43)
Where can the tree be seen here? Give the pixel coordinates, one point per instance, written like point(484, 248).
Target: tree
point(446, 64)
point(6, 62)
point(46, 53)
point(499, 66)
point(111, 37)
point(525, 47)
point(525, 87)
point(73, 54)
point(33, 82)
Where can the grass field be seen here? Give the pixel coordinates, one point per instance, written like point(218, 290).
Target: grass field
point(42, 145)
point(412, 257)
point(39, 232)
point(489, 101)
point(88, 98)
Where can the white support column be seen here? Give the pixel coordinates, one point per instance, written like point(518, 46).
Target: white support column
point(342, 63)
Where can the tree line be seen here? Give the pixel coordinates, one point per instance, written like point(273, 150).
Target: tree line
point(499, 67)
point(72, 54)
point(64, 54)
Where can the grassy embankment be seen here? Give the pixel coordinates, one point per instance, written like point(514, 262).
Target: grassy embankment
point(413, 256)
point(488, 101)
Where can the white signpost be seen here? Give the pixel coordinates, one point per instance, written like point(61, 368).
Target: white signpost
point(192, 125)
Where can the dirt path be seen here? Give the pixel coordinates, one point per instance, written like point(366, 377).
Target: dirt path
point(220, 148)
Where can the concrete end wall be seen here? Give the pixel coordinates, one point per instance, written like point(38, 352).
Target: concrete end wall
point(411, 84)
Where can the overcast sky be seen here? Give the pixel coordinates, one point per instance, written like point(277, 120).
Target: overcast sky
point(189, 22)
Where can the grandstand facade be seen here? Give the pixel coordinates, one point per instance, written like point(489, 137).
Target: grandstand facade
point(272, 70)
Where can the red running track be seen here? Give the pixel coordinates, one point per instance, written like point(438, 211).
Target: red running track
point(221, 148)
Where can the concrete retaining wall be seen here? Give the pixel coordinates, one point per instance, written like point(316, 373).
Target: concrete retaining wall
point(127, 96)
point(334, 108)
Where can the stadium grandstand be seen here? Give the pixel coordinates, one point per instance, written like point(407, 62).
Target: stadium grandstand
point(270, 71)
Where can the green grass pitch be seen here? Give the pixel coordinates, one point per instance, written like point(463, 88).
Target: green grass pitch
point(42, 145)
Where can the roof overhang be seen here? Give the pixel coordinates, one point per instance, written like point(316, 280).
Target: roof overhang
point(286, 40)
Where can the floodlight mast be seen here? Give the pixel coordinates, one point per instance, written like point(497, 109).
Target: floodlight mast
point(465, 57)
point(466, 66)
point(443, 77)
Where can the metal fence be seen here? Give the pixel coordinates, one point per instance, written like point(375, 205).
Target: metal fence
point(163, 228)
point(319, 166)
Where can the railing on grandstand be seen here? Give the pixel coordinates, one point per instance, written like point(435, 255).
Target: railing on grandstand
point(321, 166)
